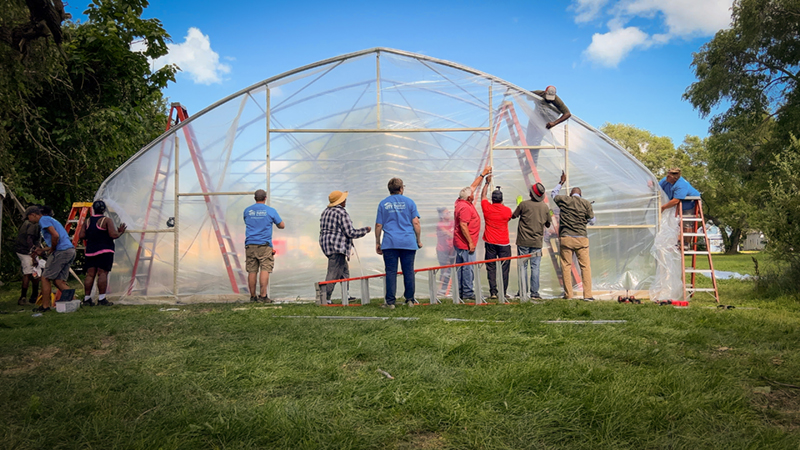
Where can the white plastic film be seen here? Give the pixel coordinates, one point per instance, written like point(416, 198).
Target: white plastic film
point(351, 124)
point(668, 283)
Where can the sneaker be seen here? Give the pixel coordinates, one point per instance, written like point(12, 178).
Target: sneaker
point(385, 306)
point(253, 298)
point(105, 302)
point(40, 309)
point(589, 299)
point(508, 297)
point(536, 296)
point(493, 297)
point(87, 302)
point(22, 301)
point(265, 299)
point(32, 300)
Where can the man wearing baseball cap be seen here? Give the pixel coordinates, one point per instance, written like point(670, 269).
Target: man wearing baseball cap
point(534, 217)
point(495, 236)
point(336, 234)
point(550, 97)
point(61, 255)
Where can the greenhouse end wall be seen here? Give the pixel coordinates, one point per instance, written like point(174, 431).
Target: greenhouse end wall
point(352, 123)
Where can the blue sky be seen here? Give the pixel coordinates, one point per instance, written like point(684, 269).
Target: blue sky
point(617, 61)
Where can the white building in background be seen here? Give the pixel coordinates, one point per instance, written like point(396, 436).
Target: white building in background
point(755, 240)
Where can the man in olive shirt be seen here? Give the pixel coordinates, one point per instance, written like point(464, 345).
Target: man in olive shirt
point(550, 97)
point(576, 213)
point(534, 217)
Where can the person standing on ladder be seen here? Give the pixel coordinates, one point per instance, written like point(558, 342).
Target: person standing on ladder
point(495, 236)
point(336, 234)
point(258, 220)
point(534, 218)
point(677, 189)
point(99, 233)
point(576, 213)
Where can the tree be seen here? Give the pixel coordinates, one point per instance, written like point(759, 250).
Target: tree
point(69, 121)
point(751, 72)
point(725, 200)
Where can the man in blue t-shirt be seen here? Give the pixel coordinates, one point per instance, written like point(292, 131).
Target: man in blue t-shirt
point(258, 220)
point(61, 255)
point(677, 189)
point(398, 221)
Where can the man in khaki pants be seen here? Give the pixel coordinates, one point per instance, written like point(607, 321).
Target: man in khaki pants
point(576, 213)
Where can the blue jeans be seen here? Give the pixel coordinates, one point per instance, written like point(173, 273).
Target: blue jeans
point(406, 257)
point(466, 274)
point(534, 260)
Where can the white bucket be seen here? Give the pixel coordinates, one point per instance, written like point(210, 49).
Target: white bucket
point(68, 307)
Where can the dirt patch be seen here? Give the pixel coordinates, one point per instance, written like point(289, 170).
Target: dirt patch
point(425, 441)
point(105, 346)
point(31, 362)
point(781, 407)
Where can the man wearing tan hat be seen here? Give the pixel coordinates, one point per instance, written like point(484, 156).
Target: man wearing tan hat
point(336, 234)
point(258, 219)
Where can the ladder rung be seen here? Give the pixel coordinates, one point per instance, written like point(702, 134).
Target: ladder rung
point(701, 289)
point(692, 219)
point(695, 252)
point(698, 270)
point(695, 234)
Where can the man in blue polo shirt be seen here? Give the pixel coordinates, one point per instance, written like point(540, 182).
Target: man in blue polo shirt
point(61, 255)
point(677, 189)
point(398, 221)
point(258, 220)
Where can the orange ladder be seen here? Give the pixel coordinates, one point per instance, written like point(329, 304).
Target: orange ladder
point(697, 220)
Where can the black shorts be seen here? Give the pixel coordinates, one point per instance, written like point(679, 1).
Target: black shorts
point(103, 261)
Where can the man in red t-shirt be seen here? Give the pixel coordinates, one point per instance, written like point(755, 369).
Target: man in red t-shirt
point(495, 236)
point(465, 237)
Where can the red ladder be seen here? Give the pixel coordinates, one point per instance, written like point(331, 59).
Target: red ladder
point(81, 210)
point(140, 276)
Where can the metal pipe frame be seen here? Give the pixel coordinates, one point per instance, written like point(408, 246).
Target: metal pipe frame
point(176, 235)
point(376, 130)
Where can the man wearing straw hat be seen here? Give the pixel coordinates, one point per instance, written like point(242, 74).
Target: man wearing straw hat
point(336, 234)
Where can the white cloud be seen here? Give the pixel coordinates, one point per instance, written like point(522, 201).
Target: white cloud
point(610, 48)
point(587, 10)
point(674, 19)
point(194, 57)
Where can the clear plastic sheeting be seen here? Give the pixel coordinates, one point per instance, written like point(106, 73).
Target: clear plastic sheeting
point(668, 283)
point(351, 123)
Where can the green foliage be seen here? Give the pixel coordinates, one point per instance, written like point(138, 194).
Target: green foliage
point(69, 122)
point(750, 73)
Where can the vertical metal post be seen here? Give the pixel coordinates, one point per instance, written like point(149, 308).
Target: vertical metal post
point(566, 154)
point(491, 131)
point(456, 286)
point(476, 268)
point(320, 295)
point(385, 289)
point(345, 293)
point(378, 87)
point(432, 287)
point(269, 188)
point(522, 280)
point(365, 292)
point(501, 288)
point(177, 227)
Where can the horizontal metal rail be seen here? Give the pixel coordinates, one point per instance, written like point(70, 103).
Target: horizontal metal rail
point(376, 130)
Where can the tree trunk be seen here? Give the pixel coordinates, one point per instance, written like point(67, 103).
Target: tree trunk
point(733, 247)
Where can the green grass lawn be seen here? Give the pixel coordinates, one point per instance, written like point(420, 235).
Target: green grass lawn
point(237, 376)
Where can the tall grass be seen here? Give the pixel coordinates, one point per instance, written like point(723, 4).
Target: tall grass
point(210, 376)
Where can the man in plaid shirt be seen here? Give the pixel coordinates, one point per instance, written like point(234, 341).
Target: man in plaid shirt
point(336, 234)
